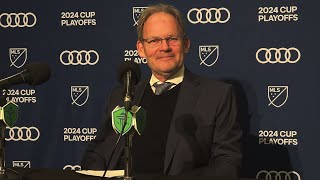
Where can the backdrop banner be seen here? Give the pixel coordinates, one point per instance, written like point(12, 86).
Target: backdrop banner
point(266, 48)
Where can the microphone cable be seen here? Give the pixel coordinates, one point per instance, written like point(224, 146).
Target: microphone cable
point(116, 145)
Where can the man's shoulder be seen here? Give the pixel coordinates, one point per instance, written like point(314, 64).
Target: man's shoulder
point(210, 82)
point(213, 81)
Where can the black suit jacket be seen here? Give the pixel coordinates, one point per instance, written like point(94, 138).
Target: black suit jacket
point(204, 137)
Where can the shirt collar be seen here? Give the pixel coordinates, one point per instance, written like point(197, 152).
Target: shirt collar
point(175, 79)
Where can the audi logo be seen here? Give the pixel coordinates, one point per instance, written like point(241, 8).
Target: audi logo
point(73, 168)
point(212, 15)
point(17, 20)
point(23, 134)
point(278, 175)
point(278, 55)
point(81, 57)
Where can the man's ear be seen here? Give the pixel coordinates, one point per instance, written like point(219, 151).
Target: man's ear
point(186, 45)
point(140, 49)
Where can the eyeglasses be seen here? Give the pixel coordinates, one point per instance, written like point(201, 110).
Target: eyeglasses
point(156, 42)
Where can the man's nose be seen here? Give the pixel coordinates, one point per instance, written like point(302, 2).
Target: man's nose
point(165, 44)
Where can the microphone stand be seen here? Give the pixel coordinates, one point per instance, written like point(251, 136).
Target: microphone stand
point(128, 137)
point(4, 175)
point(128, 156)
point(2, 142)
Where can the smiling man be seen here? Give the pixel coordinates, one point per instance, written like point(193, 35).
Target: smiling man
point(192, 125)
point(163, 42)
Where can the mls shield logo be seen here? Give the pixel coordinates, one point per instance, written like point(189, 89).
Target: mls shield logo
point(79, 95)
point(21, 164)
point(18, 56)
point(136, 12)
point(277, 95)
point(208, 54)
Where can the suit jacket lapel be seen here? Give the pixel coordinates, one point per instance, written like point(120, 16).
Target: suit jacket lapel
point(186, 100)
point(139, 91)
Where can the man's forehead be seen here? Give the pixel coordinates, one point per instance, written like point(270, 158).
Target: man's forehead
point(160, 17)
point(161, 25)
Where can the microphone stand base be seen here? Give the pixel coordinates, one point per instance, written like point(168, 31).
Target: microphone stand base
point(128, 178)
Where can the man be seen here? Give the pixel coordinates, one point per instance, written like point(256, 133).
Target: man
point(191, 127)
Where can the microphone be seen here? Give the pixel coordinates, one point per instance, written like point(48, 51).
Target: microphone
point(129, 74)
point(34, 74)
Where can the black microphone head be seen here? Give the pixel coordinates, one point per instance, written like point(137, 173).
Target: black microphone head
point(37, 73)
point(127, 66)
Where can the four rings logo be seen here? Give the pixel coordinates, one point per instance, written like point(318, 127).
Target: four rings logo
point(17, 20)
point(23, 134)
point(206, 51)
point(275, 175)
point(71, 167)
point(81, 57)
point(136, 12)
point(205, 15)
point(278, 55)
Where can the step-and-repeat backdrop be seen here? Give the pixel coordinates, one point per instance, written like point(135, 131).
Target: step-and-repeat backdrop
point(269, 50)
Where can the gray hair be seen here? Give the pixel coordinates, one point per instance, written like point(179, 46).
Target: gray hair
point(155, 9)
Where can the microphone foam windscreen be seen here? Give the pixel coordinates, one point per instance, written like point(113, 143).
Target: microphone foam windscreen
point(38, 73)
point(129, 65)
